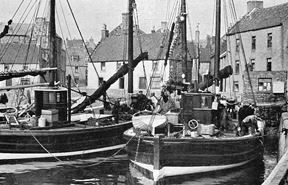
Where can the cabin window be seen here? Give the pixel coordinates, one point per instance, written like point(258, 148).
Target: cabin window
point(142, 83)
point(103, 66)
point(269, 40)
point(237, 45)
point(155, 66)
point(253, 43)
point(237, 67)
point(265, 84)
point(76, 69)
point(236, 86)
point(52, 98)
point(121, 83)
point(100, 81)
point(269, 64)
point(155, 82)
point(25, 81)
point(252, 64)
point(58, 97)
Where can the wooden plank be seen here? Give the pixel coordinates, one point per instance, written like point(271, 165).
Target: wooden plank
point(279, 173)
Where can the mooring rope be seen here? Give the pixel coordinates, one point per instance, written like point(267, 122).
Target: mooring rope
point(81, 166)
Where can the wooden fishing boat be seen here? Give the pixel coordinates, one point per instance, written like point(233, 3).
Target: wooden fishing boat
point(191, 143)
point(56, 131)
point(179, 151)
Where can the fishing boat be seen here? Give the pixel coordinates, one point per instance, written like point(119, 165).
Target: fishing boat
point(191, 143)
point(54, 133)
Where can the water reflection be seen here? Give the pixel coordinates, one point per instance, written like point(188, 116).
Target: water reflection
point(118, 171)
point(250, 174)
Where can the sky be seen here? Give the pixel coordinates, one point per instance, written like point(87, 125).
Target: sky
point(92, 14)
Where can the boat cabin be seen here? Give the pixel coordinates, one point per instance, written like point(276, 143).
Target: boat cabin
point(197, 106)
point(51, 103)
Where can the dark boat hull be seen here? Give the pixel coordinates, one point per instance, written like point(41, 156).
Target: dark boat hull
point(16, 144)
point(176, 156)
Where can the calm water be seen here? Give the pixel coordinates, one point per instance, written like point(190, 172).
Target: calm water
point(118, 171)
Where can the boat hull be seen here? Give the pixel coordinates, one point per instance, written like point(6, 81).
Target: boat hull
point(16, 144)
point(175, 156)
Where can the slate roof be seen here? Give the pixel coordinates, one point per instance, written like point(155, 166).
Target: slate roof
point(112, 48)
point(16, 54)
point(261, 18)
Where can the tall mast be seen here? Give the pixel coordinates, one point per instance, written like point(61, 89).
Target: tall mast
point(185, 69)
point(130, 45)
point(52, 44)
point(217, 40)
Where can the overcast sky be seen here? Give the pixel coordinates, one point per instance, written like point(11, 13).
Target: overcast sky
point(92, 14)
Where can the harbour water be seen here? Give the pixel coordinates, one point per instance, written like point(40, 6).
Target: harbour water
point(118, 171)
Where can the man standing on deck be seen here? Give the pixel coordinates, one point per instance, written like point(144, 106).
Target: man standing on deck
point(166, 103)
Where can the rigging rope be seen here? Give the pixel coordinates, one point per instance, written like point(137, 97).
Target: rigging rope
point(17, 9)
point(15, 31)
point(244, 55)
point(82, 38)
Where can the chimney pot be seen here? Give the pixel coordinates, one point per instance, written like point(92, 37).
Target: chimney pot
point(251, 4)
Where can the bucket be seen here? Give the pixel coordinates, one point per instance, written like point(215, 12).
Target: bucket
point(42, 122)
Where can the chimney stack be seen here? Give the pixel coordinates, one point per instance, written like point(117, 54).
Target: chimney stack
point(125, 22)
point(104, 32)
point(164, 26)
point(251, 4)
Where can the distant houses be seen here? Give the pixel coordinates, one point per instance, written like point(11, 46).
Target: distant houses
point(111, 53)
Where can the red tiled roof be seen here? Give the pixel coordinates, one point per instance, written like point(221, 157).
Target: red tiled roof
point(261, 18)
point(16, 53)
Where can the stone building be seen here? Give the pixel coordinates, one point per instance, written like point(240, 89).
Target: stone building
point(263, 33)
point(77, 60)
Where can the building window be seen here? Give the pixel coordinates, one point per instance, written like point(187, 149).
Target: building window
point(142, 83)
point(265, 84)
point(118, 65)
point(237, 45)
point(155, 82)
point(236, 86)
point(25, 81)
point(269, 40)
point(75, 58)
point(9, 82)
point(103, 66)
point(76, 69)
point(155, 66)
point(237, 67)
point(76, 80)
point(6, 68)
point(121, 83)
point(25, 67)
point(252, 65)
point(253, 46)
point(269, 64)
point(100, 81)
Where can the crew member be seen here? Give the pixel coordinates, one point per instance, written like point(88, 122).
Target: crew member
point(166, 103)
point(249, 125)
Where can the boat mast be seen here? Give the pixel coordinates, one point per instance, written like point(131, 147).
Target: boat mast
point(52, 44)
point(130, 45)
point(186, 71)
point(217, 41)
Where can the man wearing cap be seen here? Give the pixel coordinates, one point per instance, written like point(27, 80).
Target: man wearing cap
point(249, 125)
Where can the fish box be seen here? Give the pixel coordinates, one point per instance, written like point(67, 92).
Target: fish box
point(172, 117)
point(51, 115)
point(206, 129)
